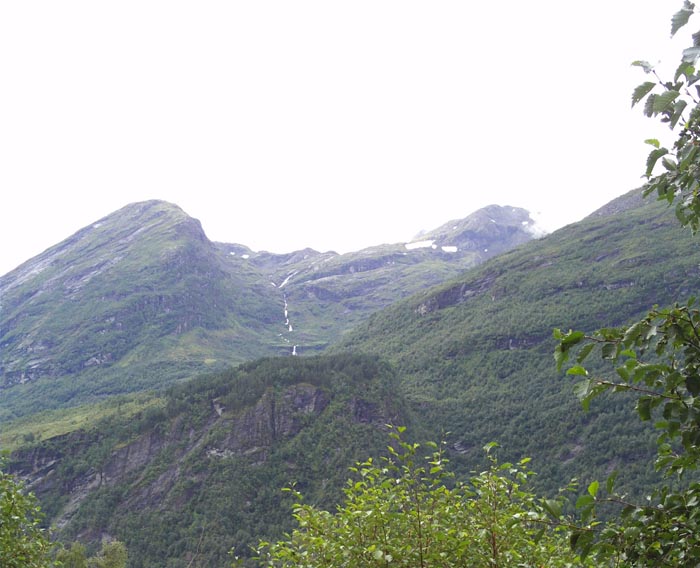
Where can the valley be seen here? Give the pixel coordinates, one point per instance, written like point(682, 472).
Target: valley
point(162, 389)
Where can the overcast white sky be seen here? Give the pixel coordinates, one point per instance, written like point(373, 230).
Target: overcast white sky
point(336, 125)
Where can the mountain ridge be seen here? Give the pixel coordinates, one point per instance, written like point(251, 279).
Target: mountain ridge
point(142, 297)
point(468, 362)
point(483, 341)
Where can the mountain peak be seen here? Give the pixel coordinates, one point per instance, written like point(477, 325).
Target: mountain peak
point(488, 227)
point(114, 232)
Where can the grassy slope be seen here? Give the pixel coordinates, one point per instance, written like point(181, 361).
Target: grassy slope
point(133, 302)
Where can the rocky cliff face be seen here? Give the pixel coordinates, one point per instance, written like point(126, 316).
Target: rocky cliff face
point(214, 441)
point(251, 433)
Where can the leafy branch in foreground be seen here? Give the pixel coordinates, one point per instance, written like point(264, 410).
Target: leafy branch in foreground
point(657, 359)
point(23, 543)
point(404, 511)
point(676, 103)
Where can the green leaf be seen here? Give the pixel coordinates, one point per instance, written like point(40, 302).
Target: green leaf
point(577, 370)
point(644, 65)
point(685, 69)
point(680, 19)
point(649, 105)
point(691, 55)
point(653, 157)
point(593, 488)
point(642, 91)
point(582, 389)
point(644, 408)
point(584, 501)
point(653, 142)
point(583, 392)
point(552, 507)
point(572, 338)
point(670, 165)
point(692, 383)
point(663, 101)
point(610, 482)
point(678, 108)
point(567, 341)
point(585, 352)
point(608, 350)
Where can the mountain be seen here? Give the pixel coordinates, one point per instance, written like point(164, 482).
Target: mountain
point(188, 473)
point(142, 298)
point(475, 354)
point(202, 470)
point(139, 295)
point(328, 294)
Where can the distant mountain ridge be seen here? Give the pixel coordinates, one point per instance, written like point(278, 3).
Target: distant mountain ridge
point(141, 298)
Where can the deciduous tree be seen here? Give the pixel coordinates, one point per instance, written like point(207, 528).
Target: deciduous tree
point(23, 543)
point(656, 359)
point(403, 511)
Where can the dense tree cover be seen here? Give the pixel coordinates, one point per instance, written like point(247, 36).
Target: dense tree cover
point(657, 358)
point(657, 362)
point(402, 510)
point(182, 481)
point(23, 543)
point(112, 554)
point(74, 556)
point(480, 366)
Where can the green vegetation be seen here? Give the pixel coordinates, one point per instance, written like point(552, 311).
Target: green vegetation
point(142, 299)
point(182, 482)
point(401, 512)
point(182, 478)
point(474, 354)
point(23, 543)
point(656, 359)
point(49, 424)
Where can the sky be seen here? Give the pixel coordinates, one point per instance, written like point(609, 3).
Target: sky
point(333, 125)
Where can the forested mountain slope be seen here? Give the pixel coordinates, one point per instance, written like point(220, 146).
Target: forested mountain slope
point(475, 355)
point(137, 299)
point(199, 469)
point(202, 470)
point(142, 298)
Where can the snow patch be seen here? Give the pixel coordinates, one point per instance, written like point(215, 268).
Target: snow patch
point(245, 256)
point(233, 253)
point(97, 225)
point(449, 248)
point(420, 244)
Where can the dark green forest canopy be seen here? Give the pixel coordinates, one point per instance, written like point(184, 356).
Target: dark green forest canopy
point(203, 471)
